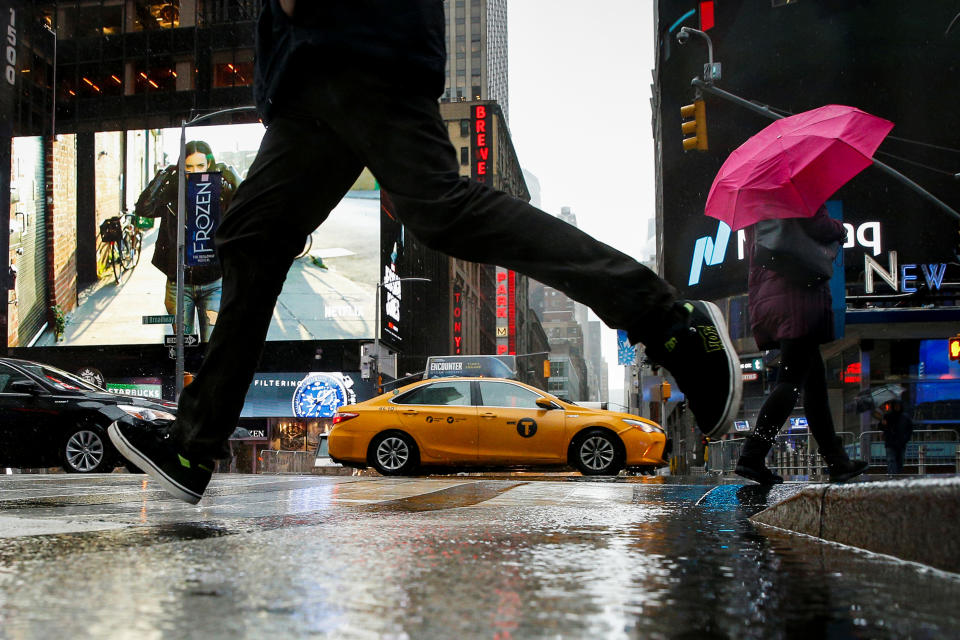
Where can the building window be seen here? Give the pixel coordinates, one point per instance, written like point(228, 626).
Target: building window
point(156, 15)
point(464, 155)
point(159, 74)
point(232, 69)
point(465, 128)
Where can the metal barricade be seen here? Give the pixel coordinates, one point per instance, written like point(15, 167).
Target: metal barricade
point(927, 447)
point(792, 455)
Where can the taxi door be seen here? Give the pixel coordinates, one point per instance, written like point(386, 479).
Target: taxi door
point(514, 430)
point(443, 420)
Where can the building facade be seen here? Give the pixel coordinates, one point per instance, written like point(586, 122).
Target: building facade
point(896, 297)
point(477, 52)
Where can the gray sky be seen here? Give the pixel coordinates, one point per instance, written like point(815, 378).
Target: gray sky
point(580, 75)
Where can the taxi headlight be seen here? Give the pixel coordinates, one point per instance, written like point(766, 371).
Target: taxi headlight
point(646, 427)
point(146, 413)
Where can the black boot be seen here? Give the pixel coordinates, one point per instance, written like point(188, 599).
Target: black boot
point(751, 463)
point(839, 464)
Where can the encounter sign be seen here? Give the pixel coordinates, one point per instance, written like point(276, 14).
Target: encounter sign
point(203, 216)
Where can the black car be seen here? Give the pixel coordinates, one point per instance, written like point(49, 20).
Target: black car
point(49, 418)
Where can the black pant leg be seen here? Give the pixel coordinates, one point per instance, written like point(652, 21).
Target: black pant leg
point(816, 403)
point(795, 362)
point(280, 202)
point(404, 141)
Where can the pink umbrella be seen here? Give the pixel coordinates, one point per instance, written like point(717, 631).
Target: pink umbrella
point(792, 166)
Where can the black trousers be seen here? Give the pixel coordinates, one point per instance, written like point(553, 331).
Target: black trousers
point(801, 367)
point(312, 152)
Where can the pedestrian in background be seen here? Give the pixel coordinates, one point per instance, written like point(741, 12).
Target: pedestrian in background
point(794, 315)
point(897, 428)
point(344, 85)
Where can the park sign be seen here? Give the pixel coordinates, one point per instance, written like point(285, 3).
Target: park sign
point(203, 216)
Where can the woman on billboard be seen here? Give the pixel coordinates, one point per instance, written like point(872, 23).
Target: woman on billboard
point(201, 284)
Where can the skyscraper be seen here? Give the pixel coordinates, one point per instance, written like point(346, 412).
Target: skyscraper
point(476, 51)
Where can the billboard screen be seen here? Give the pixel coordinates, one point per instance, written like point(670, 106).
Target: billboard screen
point(329, 292)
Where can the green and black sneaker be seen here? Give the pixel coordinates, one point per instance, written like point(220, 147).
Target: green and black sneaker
point(152, 449)
point(700, 356)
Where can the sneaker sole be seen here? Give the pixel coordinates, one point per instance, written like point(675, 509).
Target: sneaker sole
point(146, 465)
point(735, 390)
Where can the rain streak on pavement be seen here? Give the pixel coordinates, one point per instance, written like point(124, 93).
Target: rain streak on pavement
point(111, 556)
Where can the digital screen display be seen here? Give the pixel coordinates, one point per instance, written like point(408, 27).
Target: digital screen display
point(107, 290)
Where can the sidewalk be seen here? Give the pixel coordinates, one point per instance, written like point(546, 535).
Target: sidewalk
point(915, 519)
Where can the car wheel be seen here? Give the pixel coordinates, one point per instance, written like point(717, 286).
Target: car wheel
point(598, 453)
point(85, 450)
point(394, 454)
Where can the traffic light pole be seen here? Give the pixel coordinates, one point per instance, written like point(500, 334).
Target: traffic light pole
point(708, 87)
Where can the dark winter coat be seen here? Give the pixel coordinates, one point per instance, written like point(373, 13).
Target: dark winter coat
point(401, 41)
point(897, 429)
point(159, 200)
point(781, 309)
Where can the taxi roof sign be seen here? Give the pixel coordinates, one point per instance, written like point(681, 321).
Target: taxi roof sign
point(483, 366)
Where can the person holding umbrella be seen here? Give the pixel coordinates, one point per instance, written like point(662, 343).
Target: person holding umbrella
point(795, 317)
point(784, 175)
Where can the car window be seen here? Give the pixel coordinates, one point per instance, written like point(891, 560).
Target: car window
point(454, 394)
point(504, 394)
point(60, 379)
point(8, 375)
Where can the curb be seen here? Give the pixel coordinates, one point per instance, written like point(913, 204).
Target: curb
point(915, 520)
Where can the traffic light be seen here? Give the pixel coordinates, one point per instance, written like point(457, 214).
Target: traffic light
point(954, 347)
point(546, 368)
point(694, 125)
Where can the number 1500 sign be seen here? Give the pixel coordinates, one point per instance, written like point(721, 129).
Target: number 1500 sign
point(10, 54)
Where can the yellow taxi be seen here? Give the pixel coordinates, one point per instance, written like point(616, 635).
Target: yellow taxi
point(489, 422)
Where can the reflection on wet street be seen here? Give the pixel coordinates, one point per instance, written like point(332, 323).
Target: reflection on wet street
point(291, 556)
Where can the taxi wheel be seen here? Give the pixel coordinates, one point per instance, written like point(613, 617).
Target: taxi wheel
point(394, 453)
point(598, 453)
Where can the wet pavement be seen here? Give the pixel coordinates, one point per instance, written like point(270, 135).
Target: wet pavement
point(111, 556)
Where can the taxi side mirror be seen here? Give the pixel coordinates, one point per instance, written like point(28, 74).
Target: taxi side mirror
point(546, 403)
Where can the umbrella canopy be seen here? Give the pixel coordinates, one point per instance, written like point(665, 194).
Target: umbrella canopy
point(791, 167)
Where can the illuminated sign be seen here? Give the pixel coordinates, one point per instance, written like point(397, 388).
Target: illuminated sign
point(300, 395)
point(711, 251)
point(480, 141)
point(506, 311)
point(203, 216)
point(457, 317)
point(853, 373)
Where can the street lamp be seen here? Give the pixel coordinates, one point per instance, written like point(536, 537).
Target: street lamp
point(376, 325)
point(711, 70)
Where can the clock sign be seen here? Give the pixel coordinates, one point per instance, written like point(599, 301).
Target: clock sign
point(319, 395)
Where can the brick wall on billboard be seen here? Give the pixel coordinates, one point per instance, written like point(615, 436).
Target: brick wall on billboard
point(109, 168)
point(62, 223)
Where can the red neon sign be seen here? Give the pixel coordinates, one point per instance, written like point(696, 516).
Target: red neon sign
point(853, 372)
point(457, 320)
point(481, 148)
